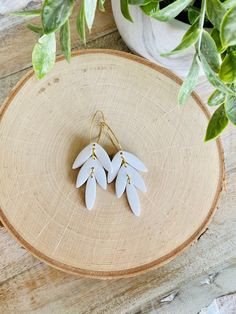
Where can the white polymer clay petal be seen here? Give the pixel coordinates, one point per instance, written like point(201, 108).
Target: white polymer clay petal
point(82, 157)
point(133, 199)
point(135, 162)
point(103, 157)
point(85, 172)
point(90, 192)
point(116, 163)
point(100, 175)
point(136, 179)
point(121, 182)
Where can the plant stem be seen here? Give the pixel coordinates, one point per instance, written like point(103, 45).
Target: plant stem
point(201, 23)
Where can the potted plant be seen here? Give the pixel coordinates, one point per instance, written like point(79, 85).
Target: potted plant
point(208, 30)
point(150, 37)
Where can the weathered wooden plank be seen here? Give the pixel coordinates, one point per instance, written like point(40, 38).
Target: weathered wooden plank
point(16, 43)
point(110, 41)
point(194, 295)
point(29, 285)
point(39, 288)
point(17, 257)
point(7, 6)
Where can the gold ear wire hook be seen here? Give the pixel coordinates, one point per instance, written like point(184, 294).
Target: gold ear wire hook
point(104, 126)
point(113, 138)
point(97, 139)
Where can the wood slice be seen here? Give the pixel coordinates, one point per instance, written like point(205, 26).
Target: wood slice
point(45, 124)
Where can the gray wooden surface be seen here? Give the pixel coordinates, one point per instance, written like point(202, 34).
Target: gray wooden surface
point(187, 284)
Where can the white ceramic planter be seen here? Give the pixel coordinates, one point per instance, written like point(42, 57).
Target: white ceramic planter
point(149, 37)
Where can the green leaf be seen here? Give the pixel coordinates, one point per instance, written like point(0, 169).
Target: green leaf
point(150, 8)
point(124, 6)
point(55, 14)
point(217, 124)
point(215, 12)
point(228, 68)
point(213, 78)
point(89, 11)
point(44, 55)
point(139, 2)
point(215, 34)
point(65, 40)
point(190, 82)
point(228, 28)
point(228, 4)
point(80, 23)
point(193, 14)
point(172, 10)
point(101, 5)
point(230, 108)
point(189, 38)
point(210, 52)
point(217, 98)
point(35, 28)
point(29, 13)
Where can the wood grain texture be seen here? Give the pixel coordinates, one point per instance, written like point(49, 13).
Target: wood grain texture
point(64, 234)
point(8, 6)
point(30, 286)
point(27, 285)
point(17, 42)
point(195, 294)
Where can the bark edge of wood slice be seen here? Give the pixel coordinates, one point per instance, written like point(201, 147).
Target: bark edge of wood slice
point(44, 124)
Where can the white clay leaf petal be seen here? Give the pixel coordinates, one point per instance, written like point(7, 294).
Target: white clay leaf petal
point(84, 172)
point(133, 199)
point(116, 163)
point(136, 179)
point(103, 157)
point(82, 157)
point(90, 192)
point(135, 162)
point(100, 175)
point(121, 182)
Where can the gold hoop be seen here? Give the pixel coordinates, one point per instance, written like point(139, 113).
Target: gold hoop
point(104, 127)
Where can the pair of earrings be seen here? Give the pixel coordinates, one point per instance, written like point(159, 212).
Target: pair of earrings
point(94, 162)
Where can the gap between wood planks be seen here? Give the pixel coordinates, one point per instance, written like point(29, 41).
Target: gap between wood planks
point(17, 42)
point(92, 43)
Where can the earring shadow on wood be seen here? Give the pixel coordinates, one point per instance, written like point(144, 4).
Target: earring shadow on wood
point(76, 145)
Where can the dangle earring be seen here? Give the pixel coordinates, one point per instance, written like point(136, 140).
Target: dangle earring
point(125, 167)
point(93, 159)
